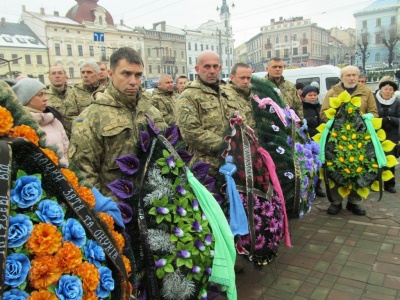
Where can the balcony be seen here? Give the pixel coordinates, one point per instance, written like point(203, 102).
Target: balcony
point(168, 60)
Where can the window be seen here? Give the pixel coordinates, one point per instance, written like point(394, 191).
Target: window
point(295, 37)
point(378, 22)
point(150, 69)
point(22, 41)
point(286, 38)
point(277, 53)
point(201, 47)
point(7, 39)
point(212, 47)
point(378, 38)
point(91, 51)
point(39, 59)
point(28, 59)
point(14, 58)
point(286, 53)
point(57, 49)
point(295, 51)
point(80, 50)
point(69, 50)
point(103, 54)
point(268, 54)
point(183, 70)
point(206, 47)
point(377, 57)
point(277, 39)
point(364, 24)
point(190, 60)
point(195, 47)
point(304, 35)
point(71, 72)
point(364, 38)
point(189, 46)
point(304, 50)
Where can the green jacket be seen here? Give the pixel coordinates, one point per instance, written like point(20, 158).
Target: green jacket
point(106, 130)
point(77, 100)
point(165, 102)
point(243, 96)
point(368, 104)
point(289, 94)
point(203, 118)
point(56, 97)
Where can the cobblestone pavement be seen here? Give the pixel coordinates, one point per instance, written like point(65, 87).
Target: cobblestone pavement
point(334, 257)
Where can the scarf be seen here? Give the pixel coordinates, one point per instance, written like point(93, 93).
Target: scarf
point(384, 101)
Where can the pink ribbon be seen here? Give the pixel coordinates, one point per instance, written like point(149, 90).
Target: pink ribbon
point(277, 186)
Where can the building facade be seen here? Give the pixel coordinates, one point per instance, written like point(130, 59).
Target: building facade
point(376, 22)
point(21, 52)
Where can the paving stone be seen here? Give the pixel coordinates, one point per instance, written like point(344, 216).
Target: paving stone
point(336, 295)
point(348, 289)
point(320, 293)
point(354, 273)
point(365, 244)
point(321, 266)
point(352, 283)
point(382, 290)
point(385, 268)
point(352, 264)
point(306, 290)
point(389, 258)
point(376, 278)
point(387, 247)
point(334, 269)
point(392, 282)
point(357, 256)
point(287, 285)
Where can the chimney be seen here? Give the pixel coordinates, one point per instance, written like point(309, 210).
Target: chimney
point(272, 21)
point(121, 22)
point(280, 18)
point(42, 10)
point(23, 8)
point(163, 25)
point(56, 13)
point(3, 22)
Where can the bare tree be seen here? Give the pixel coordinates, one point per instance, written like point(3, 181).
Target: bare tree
point(362, 44)
point(390, 37)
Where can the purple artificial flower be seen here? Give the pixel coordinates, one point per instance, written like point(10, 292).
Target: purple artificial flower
point(273, 244)
point(162, 210)
point(153, 128)
point(203, 217)
point(260, 242)
point(209, 183)
point(183, 254)
point(199, 245)
point(122, 188)
point(289, 141)
point(172, 134)
point(126, 212)
point(186, 157)
point(204, 295)
point(257, 222)
point(196, 226)
point(207, 272)
point(299, 147)
point(218, 198)
point(196, 270)
point(160, 263)
point(200, 170)
point(181, 211)
point(195, 205)
point(144, 141)
point(171, 162)
point(273, 225)
point(129, 164)
point(257, 204)
point(180, 190)
point(178, 232)
point(208, 239)
point(267, 209)
point(309, 165)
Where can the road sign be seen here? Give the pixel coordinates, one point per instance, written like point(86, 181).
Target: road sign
point(98, 36)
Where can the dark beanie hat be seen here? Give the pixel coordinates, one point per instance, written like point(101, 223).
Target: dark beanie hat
point(387, 80)
point(308, 89)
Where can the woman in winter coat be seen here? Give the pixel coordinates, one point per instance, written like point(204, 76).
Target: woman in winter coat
point(388, 105)
point(311, 109)
point(31, 94)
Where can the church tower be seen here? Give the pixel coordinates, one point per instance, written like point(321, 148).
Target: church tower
point(225, 18)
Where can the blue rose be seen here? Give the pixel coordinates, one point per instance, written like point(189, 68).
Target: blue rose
point(15, 294)
point(17, 267)
point(69, 287)
point(50, 211)
point(106, 284)
point(27, 191)
point(73, 232)
point(19, 231)
point(94, 253)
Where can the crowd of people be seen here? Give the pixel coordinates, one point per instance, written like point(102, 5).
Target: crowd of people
point(99, 119)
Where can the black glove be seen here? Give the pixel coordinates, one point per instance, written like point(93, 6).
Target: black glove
point(385, 121)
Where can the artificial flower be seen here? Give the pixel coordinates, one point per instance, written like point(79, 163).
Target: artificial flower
point(6, 121)
point(44, 272)
point(127, 264)
point(15, 294)
point(106, 284)
point(45, 239)
point(152, 126)
point(49, 211)
point(171, 162)
point(172, 134)
point(26, 132)
point(42, 295)
point(122, 188)
point(200, 170)
point(27, 191)
point(94, 253)
point(69, 288)
point(71, 177)
point(51, 154)
point(128, 163)
point(106, 218)
point(17, 268)
point(69, 257)
point(183, 254)
point(87, 195)
point(126, 212)
point(186, 157)
point(144, 140)
point(73, 231)
point(20, 228)
point(119, 238)
point(89, 274)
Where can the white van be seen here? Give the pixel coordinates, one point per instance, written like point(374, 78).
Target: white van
point(326, 76)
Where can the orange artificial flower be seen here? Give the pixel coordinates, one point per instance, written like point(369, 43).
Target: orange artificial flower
point(87, 195)
point(119, 239)
point(44, 272)
point(42, 295)
point(6, 121)
point(45, 239)
point(89, 274)
point(106, 218)
point(26, 132)
point(69, 257)
point(50, 154)
point(127, 264)
point(90, 296)
point(71, 177)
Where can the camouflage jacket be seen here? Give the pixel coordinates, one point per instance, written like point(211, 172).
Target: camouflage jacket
point(244, 96)
point(77, 100)
point(289, 94)
point(106, 130)
point(56, 97)
point(203, 118)
point(165, 102)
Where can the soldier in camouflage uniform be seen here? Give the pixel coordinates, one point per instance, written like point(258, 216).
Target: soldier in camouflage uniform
point(238, 88)
point(288, 90)
point(79, 97)
point(109, 128)
point(103, 75)
point(181, 82)
point(204, 110)
point(164, 98)
point(58, 89)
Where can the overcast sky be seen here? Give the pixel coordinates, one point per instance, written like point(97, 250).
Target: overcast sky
point(247, 17)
